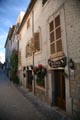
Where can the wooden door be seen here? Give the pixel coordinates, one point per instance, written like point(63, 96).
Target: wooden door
point(60, 89)
point(29, 79)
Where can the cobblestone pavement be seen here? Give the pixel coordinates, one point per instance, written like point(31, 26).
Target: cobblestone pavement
point(48, 112)
point(13, 105)
point(17, 103)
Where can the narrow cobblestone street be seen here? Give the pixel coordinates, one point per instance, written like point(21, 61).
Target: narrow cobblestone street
point(17, 103)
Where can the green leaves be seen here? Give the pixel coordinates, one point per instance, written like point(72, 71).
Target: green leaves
point(14, 66)
point(14, 60)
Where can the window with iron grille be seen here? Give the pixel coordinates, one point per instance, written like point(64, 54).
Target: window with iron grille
point(55, 35)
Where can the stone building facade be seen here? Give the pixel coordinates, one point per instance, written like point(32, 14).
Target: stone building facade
point(72, 24)
point(8, 49)
point(49, 52)
point(12, 42)
point(15, 37)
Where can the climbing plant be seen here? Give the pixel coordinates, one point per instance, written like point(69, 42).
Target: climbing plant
point(14, 66)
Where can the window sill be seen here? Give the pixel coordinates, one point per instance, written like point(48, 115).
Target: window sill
point(55, 55)
point(38, 52)
point(41, 88)
point(28, 57)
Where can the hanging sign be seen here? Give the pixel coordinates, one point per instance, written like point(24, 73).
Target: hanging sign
point(58, 63)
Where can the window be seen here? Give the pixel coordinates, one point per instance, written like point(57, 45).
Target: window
point(44, 1)
point(33, 45)
point(28, 50)
point(55, 35)
point(28, 23)
point(36, 42)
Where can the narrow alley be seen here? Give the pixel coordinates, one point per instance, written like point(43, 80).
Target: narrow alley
point(15, 105)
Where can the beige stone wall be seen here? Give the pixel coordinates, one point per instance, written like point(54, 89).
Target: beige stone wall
point(26, 35)
point(72, 23)
point(72, 20)
point(75, 88)
point(42, 94)
point(70, 27)
point(42, 15)
point(20, 17)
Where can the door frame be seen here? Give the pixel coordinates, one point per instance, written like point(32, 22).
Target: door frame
point(61, 93)
point(29, 86)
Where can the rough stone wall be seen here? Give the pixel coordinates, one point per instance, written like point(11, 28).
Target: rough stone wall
point(41, 24)
point(43, 95)
point(75, 88)
point(26, 35)
point(42, 15)
point(72, 22)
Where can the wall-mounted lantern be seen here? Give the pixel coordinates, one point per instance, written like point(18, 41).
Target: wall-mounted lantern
point(71, 64)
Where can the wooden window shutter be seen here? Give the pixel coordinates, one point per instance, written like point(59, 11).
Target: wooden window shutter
point(51, 26)
point(36, 42)
point(59, 45)
point(57, 21)
point(32, 45)
point(55, 35)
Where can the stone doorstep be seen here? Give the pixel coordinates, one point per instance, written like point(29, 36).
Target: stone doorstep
point(55, 108)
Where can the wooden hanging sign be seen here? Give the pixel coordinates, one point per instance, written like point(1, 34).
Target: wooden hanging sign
point(58, 63)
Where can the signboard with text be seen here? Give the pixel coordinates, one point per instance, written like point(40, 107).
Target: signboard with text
point(58, 63)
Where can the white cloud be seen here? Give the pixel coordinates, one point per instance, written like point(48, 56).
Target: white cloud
point(2, 57)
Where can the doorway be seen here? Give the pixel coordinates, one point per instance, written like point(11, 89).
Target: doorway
point(60, 89)
point(29, 79)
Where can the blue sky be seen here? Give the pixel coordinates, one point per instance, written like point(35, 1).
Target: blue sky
point(9, 10)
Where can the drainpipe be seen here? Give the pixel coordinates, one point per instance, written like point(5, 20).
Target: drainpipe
point(33, 51)
point(69, 101)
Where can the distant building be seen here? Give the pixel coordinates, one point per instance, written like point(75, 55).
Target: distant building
point(8, 48)
point(15, 38)
point(12, 40)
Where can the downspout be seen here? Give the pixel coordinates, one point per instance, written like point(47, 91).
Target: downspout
point(33, 32)
point(33, 51)
point(68, 69)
